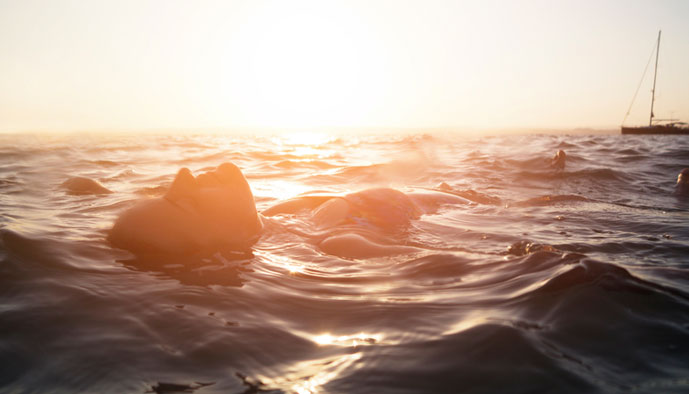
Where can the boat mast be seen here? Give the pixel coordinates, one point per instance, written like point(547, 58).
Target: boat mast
point(655, 74)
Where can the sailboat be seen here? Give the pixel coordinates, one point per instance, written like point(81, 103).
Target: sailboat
point(656, 126)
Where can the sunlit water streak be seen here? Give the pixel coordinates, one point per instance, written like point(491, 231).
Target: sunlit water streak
point(598, 302)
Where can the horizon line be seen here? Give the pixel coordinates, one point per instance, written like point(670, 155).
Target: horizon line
point(314, 129)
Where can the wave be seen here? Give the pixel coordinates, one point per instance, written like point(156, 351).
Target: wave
point(466, 362)
point(595, 174)
point(584, 288)
point(308, 164)
point(551, 200)
point(104, 163)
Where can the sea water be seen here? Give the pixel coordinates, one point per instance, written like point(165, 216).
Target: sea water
point(573, 280)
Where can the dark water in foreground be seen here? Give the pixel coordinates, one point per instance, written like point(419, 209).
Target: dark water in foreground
point(605, 308)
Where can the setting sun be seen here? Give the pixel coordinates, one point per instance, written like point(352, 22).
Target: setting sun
point(308, 66)
point(233, 65)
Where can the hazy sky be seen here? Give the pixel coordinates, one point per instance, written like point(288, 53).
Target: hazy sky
point(81, 65)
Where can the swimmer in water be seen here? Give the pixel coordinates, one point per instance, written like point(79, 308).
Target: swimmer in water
point(365, 223)
point(559, 160)
point(682, 185)
point(216, 210)
point(213, 210)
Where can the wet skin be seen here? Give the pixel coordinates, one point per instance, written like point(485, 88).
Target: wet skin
point(214, 210)
point(217, 210)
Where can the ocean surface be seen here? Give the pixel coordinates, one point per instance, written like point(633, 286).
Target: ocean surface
point(549, 281)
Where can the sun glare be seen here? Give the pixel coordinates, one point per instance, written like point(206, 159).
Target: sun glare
point(307, 145)
point(305, 138)
point(263, 64)
point(278, 189)
point(308, 66)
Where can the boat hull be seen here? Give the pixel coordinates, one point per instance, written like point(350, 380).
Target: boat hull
point(658, 129)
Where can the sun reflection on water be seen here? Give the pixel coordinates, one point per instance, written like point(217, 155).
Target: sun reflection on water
point(292, 266)
point(311, 151)
point(331, 369)
point(279, 189)
point(309, 377)
point(305, 144)
point(347, 340)
point(471, 320)
point(305, 138)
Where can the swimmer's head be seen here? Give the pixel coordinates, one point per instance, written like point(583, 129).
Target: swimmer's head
point(223, 199)
point(213, 210)
point(683, 176)
point(682, 186)
point(559, 160)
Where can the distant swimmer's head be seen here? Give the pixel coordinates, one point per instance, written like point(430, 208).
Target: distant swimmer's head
point(214, 209)
point(559, 160)
point(682, 186)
